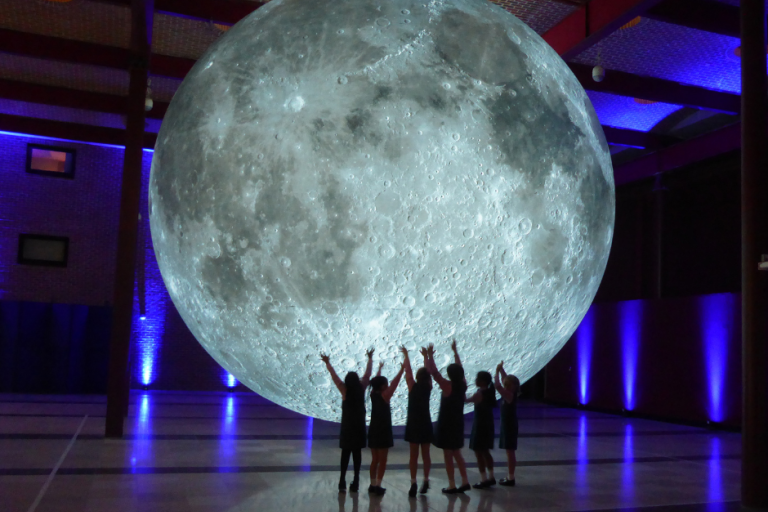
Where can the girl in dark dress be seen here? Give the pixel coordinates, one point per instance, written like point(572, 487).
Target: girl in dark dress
point(380, 432)
point(418, 426)
point(481, 440)
point(449, 431)
point(508, 387)
point(352, 434)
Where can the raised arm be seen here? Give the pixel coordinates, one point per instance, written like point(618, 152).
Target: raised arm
point(368, 369)
point(407, 366)
point(455, 353)
point(336, 380)
point(475, 398)
point(429, 363)
point(378, 372)
point(387, 393)
point(501, 370)
point(507, 395)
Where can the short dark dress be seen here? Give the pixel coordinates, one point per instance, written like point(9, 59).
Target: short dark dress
point(380, 430)
point(352, 435)
point(449, 430)
point(483, 429)
point(418, 426)
point(509, 427)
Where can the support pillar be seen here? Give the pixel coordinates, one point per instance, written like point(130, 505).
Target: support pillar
point(754, 233)
point(118, 387)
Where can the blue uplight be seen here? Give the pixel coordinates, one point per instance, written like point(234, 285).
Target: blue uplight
point(630, 318)
point(584, 336)
point(229, 380)
point(717, 314)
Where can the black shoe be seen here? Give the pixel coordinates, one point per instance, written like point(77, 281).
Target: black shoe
point(342, 486)
point(481, 485)
point(507, 483)
point(464, 488)
point(490, 482)
point(412, 492)
point(424, 487)
point(371, 489)
point(452, 490)
point(354, 486)
point(379, 491)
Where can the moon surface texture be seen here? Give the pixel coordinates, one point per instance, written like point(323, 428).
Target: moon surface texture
point(334, 175)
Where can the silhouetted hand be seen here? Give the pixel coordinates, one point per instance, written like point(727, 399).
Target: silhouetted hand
point(381, 365)
point(453, 345)
point(431, 349)
point(499, 367)
point(325, 358)
point(404, 351)
point(369, 352)
point(424, 352)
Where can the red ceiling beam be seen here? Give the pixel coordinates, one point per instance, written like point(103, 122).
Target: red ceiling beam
point(657, 89)
point(685, 153)
point(220, 11)
point(80, 52)
point(72, 98)
point(594, 21)
point(69, 131)
point(706, 15)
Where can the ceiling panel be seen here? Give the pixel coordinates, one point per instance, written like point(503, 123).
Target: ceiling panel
point(662, 50)
point(623, 112)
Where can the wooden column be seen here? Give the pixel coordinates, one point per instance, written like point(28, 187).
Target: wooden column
point(142, 12)
point(754, 243)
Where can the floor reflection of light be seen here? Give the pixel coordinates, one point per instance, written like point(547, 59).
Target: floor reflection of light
point(715, 471)
point(582, 457)
point(628, 475)
point(308, 444)
point(141, 448)
point(227, 440)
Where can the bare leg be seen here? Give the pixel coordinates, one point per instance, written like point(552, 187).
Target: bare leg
point(374, 464)
point(511, 464)
point(383, 454)
point(448, 457)
point(462, 466)
point(480, 455)
point(426, 458)
point(413, 462)
point(489, 463)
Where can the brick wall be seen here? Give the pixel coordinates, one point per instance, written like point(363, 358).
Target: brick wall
point(164, 354)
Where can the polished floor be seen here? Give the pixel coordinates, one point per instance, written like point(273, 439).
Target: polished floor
point(238, 452)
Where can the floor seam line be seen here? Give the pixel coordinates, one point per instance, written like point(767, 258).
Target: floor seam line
point(55, 469)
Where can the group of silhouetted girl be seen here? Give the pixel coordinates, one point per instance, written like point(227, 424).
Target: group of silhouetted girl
point(448, 432)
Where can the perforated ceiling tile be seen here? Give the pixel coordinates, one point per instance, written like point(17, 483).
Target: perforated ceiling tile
point(662, 50)
point(182, 37)
point(540, 15)
point(63, 74)
point(94, 22)
point(69, 115)
point(623, 112)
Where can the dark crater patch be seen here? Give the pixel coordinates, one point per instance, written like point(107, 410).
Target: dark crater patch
point(483, 51)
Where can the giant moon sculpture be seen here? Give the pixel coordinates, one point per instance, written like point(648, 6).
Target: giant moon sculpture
point(334, 175)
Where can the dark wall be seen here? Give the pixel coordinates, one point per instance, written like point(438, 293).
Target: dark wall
point(688, 224)
point(671, 358)
point(53, 348)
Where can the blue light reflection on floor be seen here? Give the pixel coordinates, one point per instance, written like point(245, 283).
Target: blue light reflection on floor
point(582, 456)
point(628, 474)
point(227, 443)
point(308, 444)
point(715, 472)
point(624, 112)
point(141, 453)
